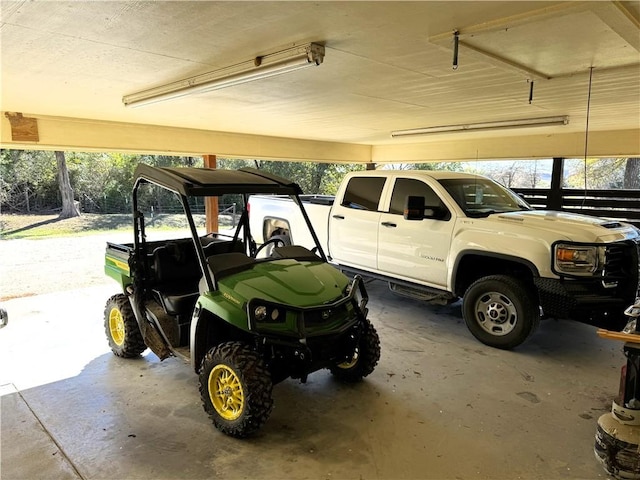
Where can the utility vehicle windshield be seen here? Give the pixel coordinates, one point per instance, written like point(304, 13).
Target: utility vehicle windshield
point(481, 197)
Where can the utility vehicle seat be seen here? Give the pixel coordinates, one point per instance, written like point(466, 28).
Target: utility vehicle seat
point(226, 264)
point(177, 272)
point(177, 302)
point(218, 247)
point(295, 252)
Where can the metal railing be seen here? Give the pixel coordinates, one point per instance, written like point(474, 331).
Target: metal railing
point(622, 205)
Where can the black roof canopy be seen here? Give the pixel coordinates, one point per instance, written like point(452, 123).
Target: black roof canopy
point(203, 182)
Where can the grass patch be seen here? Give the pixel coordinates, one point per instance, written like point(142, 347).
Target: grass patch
point(47, 226)
point(43, 226)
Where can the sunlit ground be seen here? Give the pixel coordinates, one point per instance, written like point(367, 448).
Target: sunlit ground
point(52, 337)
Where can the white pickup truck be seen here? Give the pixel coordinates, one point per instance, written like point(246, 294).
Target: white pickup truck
point(439, 236)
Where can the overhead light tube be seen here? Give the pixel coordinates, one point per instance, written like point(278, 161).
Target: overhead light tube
point(504, 124)
point(265, 66)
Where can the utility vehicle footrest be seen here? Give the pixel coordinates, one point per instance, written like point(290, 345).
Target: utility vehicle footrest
point(175, 303)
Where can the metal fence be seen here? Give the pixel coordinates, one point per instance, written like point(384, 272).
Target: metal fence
point(622, 205)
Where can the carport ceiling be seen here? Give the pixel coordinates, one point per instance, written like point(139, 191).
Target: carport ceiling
point(388, 66)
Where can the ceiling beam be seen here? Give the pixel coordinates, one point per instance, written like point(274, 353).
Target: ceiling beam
point(497, 24)
point(78, 134)
point(614, 14)
point(601, 144)
point(82, 135)
point(620, 20)
point(501, 62)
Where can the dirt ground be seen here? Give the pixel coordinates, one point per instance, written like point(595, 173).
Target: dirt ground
point(36, 266)
point(27, 226)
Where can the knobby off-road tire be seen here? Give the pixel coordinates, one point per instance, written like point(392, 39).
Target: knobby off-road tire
point(501, 311)
point(122, 329)
point(235, 388)
point(364, 359)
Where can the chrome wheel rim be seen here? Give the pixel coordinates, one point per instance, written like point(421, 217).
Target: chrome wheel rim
point(496, 313)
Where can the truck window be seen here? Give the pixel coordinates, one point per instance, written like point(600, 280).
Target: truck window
point(363, 193)
point(409, 186)
point(480, 197)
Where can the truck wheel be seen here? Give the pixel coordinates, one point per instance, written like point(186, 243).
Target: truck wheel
point(122, 329)
point(364, 358)
point(500, 311)
point(235, 387)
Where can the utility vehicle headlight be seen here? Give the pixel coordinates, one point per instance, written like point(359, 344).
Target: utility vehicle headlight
point(260, 313)
point(576, 259)
point(270, 314)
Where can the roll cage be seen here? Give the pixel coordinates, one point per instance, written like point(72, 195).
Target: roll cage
point(206, 182)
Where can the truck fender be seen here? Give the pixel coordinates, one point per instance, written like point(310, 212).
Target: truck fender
point(485, 263)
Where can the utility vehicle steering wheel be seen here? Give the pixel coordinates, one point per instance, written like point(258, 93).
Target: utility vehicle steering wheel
point(275, 241)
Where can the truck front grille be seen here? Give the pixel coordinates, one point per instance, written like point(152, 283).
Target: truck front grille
point(614, 261)
point(621, 265)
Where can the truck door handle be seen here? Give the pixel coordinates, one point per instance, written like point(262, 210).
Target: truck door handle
point(389, 224)
point(339, 217)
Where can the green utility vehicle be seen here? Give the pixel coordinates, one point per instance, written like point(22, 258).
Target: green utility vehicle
point(245, 316)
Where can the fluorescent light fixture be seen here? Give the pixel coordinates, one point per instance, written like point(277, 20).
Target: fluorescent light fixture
point(504, 124)
point(265, 66)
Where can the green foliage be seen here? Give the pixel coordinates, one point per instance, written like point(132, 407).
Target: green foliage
point(103, 182)
point(449, 166)
point(313, 177)
point(601, 173)
point(28, 180)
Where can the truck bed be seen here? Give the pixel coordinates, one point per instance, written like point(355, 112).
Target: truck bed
point(282, 211)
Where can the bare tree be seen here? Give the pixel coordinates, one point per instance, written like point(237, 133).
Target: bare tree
point(505, 174)
point(69, 208)
point(632, 173)
point(534, 175)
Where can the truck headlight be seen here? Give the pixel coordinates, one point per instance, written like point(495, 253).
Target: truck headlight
point(576, 259)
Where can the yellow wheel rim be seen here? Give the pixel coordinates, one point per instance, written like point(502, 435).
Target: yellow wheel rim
point(225, 391)
point(116, 326)
point(350, 363)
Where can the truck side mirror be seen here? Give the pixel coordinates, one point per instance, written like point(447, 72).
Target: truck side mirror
point(414, 208)
point(436, 212)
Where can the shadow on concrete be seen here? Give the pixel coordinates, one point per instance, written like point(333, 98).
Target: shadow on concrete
point(31, 226)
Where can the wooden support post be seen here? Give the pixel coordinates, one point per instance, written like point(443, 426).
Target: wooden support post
point(554, 201)
point(210, 203)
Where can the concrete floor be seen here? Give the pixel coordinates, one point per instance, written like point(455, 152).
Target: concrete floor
point(440, 405)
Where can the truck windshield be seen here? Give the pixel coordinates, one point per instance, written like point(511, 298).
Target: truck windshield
point(481, 197)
